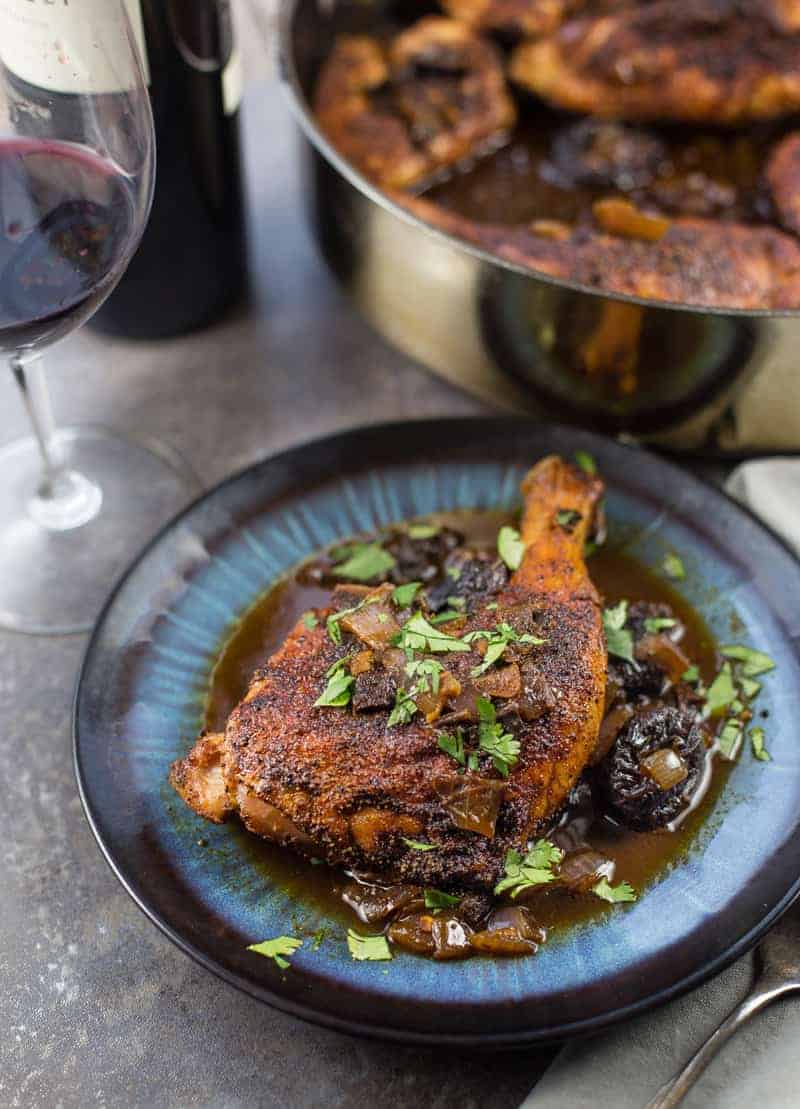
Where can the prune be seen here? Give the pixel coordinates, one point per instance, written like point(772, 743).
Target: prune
point(420, 559)
point(647, 678)
point(634, 796)
point(608, 155)
point(469, 575)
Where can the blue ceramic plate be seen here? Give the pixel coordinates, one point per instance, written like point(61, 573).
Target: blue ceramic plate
point(141, 695)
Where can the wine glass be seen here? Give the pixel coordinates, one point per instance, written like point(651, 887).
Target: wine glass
point(77, 167)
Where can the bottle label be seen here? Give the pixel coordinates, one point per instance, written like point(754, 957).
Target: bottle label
point(55, 44)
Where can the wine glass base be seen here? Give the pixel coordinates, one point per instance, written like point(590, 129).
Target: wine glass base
point(54, 581)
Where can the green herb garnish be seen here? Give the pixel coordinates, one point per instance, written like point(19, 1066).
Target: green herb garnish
point(586, 462)
point(404, 595)
point(423, 531)
point(502, 747)
point(276, 949)
point(752, 662)
point(453, 745)
point(365, 561)
point(750, 689)
point(656, 624)
point(730, 738)
point(622, 892)
point(691, 675)
point(405, 708)
point(619, 639)
point(435, 899)
point(310, 620)
point(426, 673)
point(446, 617)
point(721, 693)
point(498, 640)
point(418, 845)
point(757, 744)
point(533, 869)
point(374, 949)
point(339, 690)
point(568, 519)
point(418, 635)
point(319, 937)
point(510, 547)
point(673, 567)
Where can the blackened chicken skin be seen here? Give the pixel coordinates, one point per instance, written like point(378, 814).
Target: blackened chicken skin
point(783, 180)
point(402, 111)
point(689, 261)
point(346, 787)
point(712, 61)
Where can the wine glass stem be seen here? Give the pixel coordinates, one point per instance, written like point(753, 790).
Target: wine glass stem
point(64, 498)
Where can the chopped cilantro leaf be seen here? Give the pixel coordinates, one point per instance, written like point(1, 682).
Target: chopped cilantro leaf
point(446, 617)
point(404, 709)
point(423, 531)
point(435, 899)
point(427, 673)
point(533, 869)
point(339, 690)
point(721, 692)
point(418, 845)
point(319, 936)
point(418, 635)
point(500, 746)
point(729, 739)
point(365, 562)
point(619, 639)
point(568, 519)
point(472, 761)
point(453, 745)
point(368, 948)
point(622, 892)
point(404, 595)
point(673, 567)
point(510, 547)
point(750, 688)
point(757, 744)
point(276, 949)
point(752, 662)
point(498, 640)
point(453, 572)
point(586, 462)
point(656, 624)
point(692, 674)
point(310, 620)
point(492, 606)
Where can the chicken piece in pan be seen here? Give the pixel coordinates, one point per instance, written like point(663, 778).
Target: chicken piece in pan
point(783, 181)
point(700, 262)
point(403, 110)
point(517, 17)
point(698, 61)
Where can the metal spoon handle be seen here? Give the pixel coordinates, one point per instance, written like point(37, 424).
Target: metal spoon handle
point(764, 992)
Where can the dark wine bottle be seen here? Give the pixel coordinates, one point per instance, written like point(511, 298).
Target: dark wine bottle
point(191, 264)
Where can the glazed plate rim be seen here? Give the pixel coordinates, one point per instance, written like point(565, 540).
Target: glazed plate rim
point(274, 992)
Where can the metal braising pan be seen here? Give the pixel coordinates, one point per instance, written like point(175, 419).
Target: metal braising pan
point(500, 329)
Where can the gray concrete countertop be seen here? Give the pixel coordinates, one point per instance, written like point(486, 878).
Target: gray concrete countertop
point(97, 1007)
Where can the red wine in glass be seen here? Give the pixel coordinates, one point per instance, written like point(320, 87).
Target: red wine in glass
point(67, 225)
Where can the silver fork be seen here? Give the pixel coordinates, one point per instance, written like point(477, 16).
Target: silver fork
point(777, 973)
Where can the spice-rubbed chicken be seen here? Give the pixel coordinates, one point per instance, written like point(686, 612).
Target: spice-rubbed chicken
point(525, 17)
point(438, 736)
point(404, 110)
point(783, 180)
point(698, 61)
point(691, 261)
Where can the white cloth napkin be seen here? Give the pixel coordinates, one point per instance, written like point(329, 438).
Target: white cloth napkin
point(624, 1068)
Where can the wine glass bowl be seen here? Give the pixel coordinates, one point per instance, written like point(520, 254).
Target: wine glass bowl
point(77, 171)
